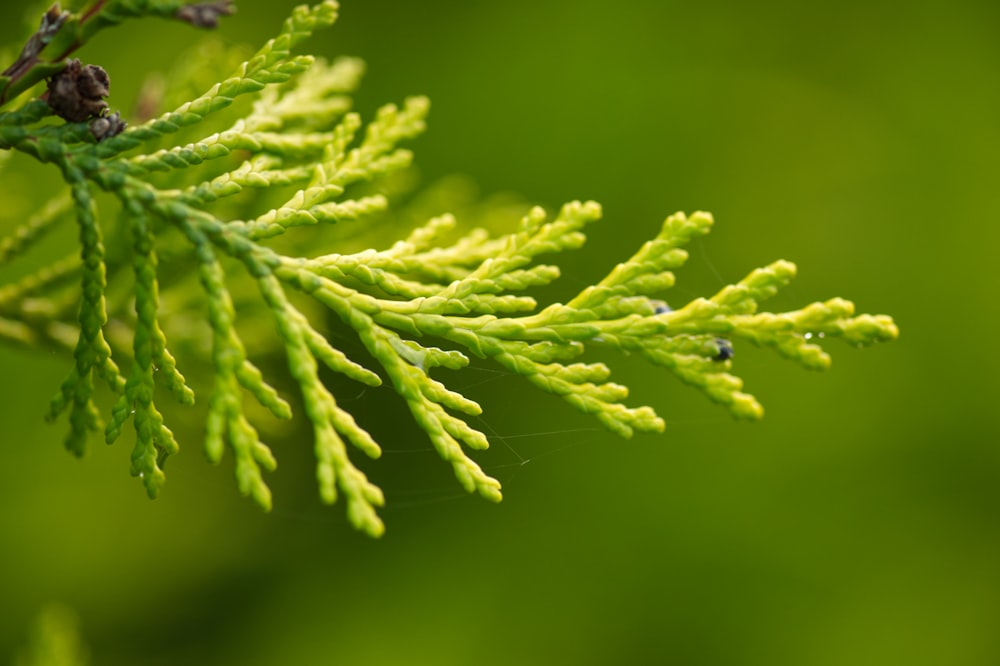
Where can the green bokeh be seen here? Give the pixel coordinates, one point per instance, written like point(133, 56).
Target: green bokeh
point(859, 523)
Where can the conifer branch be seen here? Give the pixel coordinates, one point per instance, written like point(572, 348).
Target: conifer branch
point(187, 183)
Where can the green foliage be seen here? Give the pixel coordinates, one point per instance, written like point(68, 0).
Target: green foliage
point(54, 640)
point(223, 181)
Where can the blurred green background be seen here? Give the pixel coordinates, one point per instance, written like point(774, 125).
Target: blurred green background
point(859, 523)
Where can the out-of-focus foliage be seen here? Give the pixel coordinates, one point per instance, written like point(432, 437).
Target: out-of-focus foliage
point(54, 640)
